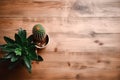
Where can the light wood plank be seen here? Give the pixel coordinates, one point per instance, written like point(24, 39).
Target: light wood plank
point(82, 33)
point(31, 9)
point(65, 8)
point(76, 25)
point(94, 8)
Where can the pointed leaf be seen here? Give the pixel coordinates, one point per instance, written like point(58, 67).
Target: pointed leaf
point(32, 52)
point(30, 38)
point(33, 56)
point(8, 56)
point(14, 58)
point(2, 46)
point(10, 46)
point(40, 58)
point(18, 39)
point(8, 40)
point(8, 50)
point(27, 62)
point(22, 34)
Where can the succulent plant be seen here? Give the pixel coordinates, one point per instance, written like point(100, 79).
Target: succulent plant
point(39, 33)
point(21, 50)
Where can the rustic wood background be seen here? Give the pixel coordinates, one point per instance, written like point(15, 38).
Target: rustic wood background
point(84, 38)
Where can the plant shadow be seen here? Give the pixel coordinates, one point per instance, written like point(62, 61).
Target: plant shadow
point(17, 73)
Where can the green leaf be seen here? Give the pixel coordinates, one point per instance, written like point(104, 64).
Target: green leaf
point(8, 50)
point(8, 56)
point(32, 48)
point(14, 58)
point(27, 62)
point(32, 52)
point(18, 51)
point(33, 56)
point(8, 40)
point(22, 34)
point(10, 46)
point(2, 46)
point(18, 39)
point(40, 58)
point(30, 38)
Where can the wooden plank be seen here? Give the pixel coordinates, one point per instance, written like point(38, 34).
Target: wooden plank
point(97, 25)
point(28, 1)
point(80, 42)
point(80, 57)
point(63, 74)
point(71, 66)
point(66, 8)
point(31, 9)
point(82, 45)
point(94, 8)
point(76, 25)
point(82, 34)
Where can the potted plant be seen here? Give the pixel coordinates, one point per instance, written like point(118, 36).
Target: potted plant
point(40, 38)
point(22, 50)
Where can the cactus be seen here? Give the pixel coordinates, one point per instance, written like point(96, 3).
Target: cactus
point(39, 33)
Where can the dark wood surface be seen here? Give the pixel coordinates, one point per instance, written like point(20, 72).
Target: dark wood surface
point(84, 38)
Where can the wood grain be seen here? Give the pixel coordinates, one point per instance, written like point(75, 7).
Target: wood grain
point(84, 38)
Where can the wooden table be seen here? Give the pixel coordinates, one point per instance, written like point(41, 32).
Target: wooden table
point(84, 38)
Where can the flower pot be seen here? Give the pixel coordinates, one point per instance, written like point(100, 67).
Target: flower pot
point(45, 43)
